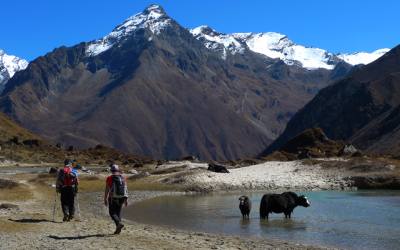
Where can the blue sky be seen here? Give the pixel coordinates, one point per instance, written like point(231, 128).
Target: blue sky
point(32, 28)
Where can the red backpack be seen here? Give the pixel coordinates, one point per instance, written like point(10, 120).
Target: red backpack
point(69, 178)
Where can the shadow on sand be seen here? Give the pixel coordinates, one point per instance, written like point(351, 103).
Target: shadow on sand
point(30, 220)
point(80, 237)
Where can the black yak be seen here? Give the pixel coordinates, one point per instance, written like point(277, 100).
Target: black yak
point(245, 206)
point(281, 203)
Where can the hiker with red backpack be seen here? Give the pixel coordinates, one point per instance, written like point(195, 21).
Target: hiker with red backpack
point(67, 186)
point(116, 195)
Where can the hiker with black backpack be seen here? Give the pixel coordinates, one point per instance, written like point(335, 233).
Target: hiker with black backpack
point(67, 186)
point(116, 195)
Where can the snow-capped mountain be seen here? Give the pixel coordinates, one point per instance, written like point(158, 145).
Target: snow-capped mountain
point(9, 65)
point(189, 100)
point(276, 45)
point(154, 18)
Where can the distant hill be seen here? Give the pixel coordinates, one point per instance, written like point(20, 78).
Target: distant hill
point(363, 108)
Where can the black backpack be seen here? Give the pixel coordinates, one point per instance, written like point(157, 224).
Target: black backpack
point(118, 188)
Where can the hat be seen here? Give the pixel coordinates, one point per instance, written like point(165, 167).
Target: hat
point(114, 168)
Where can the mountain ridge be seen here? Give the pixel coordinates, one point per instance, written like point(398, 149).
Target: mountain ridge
point(277, 45)
point(363, 108)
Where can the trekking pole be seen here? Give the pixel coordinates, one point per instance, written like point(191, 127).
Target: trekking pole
point(55, 205)
point(77, 207)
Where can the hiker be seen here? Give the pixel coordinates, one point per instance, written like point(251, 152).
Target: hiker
point(115, 195)
point(67, 186)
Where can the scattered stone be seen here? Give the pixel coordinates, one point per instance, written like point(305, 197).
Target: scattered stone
point(32, 143)
point(348, 149)
point(8, 206)
point(133, 171)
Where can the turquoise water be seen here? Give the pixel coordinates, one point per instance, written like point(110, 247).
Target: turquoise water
point(355, 220)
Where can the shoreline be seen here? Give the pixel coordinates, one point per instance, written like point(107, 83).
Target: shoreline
point(29, 225)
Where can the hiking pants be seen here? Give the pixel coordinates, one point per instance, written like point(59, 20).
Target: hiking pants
point(67, 201)
point(114, 209)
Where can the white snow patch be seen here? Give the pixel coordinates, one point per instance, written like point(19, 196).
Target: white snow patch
point(269, 44)
point(363, 57)
point(276, 45)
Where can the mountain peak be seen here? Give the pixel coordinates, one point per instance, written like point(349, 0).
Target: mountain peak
point(156, 8)
point(203, 29)
point(215, 40)
point(9, 65)
point(153, 18)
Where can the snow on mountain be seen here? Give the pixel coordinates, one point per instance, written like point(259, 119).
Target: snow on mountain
point(270, 44)
point(154, 18)
point(218, 41)
point(362, 57)
point(279, 46)
point(9, 65)
point(276, 45)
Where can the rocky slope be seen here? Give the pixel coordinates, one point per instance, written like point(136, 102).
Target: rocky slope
point(9, 65)
point(362, 108)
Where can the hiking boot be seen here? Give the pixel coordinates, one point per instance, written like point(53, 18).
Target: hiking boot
point(119, 228)
point(71, 217)
point(65, 218)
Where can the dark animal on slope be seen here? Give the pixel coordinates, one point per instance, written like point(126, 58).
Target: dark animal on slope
point(245, 206)
point(281, 203)
point(217, 168)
